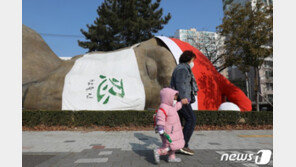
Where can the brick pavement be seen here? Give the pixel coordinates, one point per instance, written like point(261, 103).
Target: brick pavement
point(134, 148)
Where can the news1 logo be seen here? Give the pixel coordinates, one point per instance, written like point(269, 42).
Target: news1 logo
point(261, 158)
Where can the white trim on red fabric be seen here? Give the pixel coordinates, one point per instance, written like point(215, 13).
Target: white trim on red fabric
point(174, 48)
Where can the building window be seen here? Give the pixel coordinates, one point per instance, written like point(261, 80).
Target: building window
point(269, 86)
point(268, 64)
point(265, 2)
point(270, 98)
point(268, 74)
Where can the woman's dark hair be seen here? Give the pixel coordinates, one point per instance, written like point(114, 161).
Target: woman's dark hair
point(186, 56)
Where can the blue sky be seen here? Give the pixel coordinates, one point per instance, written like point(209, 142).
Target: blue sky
point(69, 16)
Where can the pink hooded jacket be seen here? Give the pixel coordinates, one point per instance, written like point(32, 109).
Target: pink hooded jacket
point(171, 123)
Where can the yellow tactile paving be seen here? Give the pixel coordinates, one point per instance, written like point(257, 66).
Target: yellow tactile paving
point(254, 135)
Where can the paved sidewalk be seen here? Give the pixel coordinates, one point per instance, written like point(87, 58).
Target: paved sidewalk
point(134, 148)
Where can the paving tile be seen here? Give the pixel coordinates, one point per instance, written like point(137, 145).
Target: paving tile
point(105, 152)
point(91, 160)
point(98, 147)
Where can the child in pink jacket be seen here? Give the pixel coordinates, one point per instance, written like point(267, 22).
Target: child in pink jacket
point(169, 123)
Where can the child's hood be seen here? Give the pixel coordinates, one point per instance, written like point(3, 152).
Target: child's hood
point(167, 96)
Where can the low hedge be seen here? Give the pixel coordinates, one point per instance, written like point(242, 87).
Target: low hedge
point(137, 118)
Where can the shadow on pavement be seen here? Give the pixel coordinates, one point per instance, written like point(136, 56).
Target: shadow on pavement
point(143, 150)
point(33, 160)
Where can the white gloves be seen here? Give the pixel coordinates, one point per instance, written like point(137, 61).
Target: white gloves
point(161, 132)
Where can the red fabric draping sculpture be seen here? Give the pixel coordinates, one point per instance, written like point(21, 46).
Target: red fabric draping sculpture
point(214, 88)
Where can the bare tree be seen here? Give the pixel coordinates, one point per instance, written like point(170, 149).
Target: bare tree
point(249, 36)
point(212, 48)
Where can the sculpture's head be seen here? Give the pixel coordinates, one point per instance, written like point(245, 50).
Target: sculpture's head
point(156, 64)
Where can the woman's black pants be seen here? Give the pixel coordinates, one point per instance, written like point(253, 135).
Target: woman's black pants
point(187, 113)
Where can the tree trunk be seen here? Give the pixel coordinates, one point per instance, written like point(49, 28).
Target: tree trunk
point(247, 85)
point(257, 87)
point(221, 68)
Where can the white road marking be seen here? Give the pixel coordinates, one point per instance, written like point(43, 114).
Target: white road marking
point(92, 160)
point(250, 165)
point(221, 152)
point(105, 153)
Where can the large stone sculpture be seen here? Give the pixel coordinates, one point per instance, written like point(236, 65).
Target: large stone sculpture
point(38, 60)
point(44, 75)
point(155, 63)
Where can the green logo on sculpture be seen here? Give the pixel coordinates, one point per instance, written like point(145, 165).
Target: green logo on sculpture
point(105, 89)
